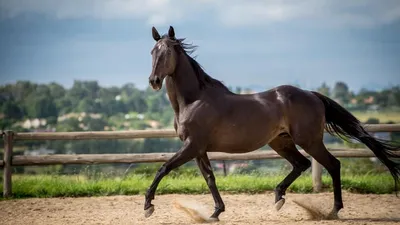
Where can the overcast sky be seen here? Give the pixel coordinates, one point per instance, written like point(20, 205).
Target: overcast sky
point(243, 43)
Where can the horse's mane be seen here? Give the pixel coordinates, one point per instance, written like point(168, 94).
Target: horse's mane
point(204, 79)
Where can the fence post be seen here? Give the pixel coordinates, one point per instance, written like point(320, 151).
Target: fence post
point(316, 170)
point(224, 167)
point(8, 138)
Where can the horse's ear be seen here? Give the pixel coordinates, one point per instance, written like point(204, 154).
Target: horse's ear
point(156, 35)
point(171, 32)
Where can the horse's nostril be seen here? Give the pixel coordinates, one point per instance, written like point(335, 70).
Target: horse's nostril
point(158, 81)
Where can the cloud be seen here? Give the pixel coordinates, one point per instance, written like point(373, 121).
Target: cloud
point(150, 10)
point(227, 12)
point(353, 13)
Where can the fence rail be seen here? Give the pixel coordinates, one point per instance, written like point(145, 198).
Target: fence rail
point(19, 160)
point(133, 134)
point(86, 135)
point(42, 160)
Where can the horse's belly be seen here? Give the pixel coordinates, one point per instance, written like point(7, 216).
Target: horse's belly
point(239, 147)
point(240, 140)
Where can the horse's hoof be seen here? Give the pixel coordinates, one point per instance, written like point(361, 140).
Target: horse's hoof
point(279, 204)
point(213, 219)
point(149, 211)
point(333, 215)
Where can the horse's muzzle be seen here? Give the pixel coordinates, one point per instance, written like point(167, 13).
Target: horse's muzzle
point(155, 82)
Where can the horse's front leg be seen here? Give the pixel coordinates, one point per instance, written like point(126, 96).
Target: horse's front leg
point(205, 167)
point(188, 152)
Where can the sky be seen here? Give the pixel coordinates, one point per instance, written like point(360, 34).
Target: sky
point(257, 44)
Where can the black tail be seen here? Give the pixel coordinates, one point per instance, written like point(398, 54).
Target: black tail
point(341, 122)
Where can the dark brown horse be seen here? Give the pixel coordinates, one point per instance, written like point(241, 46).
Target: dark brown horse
point(210, 118)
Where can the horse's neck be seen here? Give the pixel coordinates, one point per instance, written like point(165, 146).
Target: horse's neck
point(171, 91)
point(183, 87)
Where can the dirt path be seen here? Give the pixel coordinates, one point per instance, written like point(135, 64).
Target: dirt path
point(240, 209)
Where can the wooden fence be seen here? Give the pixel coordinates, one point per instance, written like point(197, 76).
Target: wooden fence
point(10, 137)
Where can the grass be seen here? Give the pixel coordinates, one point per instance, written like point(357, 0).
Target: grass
point(383, 116)
point(25, 186)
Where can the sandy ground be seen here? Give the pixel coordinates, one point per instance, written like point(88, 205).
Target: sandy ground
point(240, 209)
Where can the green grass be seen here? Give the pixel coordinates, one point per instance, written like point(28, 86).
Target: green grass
point(383, 116)
point(73, 186)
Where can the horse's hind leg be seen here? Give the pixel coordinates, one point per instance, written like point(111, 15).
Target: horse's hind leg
point(205, 167)
point(286, 148)
point(319, 152)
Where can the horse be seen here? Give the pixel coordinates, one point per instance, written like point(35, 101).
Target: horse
point(208, 117)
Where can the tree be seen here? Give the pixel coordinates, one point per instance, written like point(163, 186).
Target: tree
point(341, 92)
point(42, 90)
point(84, 89)
point(40, 107)
point(95, 124)
point(324, 89)
point(68, 125)
point(57, 91)
point(89, 106)
point(238, 90)
point(392, 100)
point(157, 102)
point(22, 89)
point(64, 105)
point(12, 110)
point(137, 104)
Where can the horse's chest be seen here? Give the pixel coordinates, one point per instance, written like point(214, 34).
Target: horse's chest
point(187, 119)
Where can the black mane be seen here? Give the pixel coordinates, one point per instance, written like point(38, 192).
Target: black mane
point(204, 79)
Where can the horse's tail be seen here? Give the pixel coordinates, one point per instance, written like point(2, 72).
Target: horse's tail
point(341, 122)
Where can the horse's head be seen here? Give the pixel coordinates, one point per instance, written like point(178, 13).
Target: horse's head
point(165, 57)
